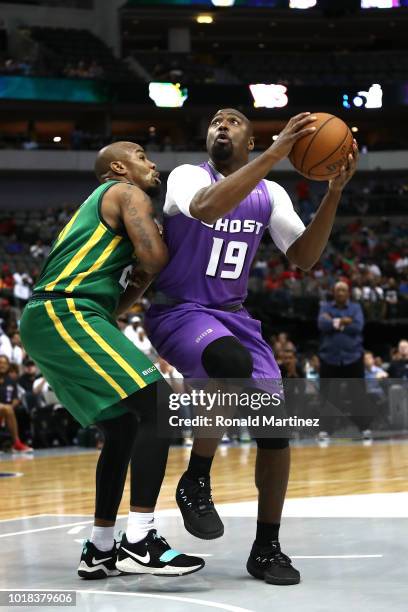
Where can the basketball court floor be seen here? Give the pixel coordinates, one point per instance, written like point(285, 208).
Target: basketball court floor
point(345, 526)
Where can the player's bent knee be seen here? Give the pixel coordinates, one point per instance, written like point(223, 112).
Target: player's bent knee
point(272, 443)
point(227, 358)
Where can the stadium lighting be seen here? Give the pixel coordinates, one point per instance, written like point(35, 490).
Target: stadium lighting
point(167, 95)
point(275, 137)
point(204, 19)
point(302, 4)
point(379, 4)
point(372, 98)
point(354, 129)
point(223, 2)
point(269, 95)
point(57, 139)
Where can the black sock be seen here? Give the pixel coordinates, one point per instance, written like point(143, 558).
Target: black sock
point(198, 466)
point(266, 532)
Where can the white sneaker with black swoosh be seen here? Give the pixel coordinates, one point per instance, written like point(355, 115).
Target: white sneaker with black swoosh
point(154, 556)
point(96, 564)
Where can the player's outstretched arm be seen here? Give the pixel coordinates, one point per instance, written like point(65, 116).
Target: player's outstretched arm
point(305, 252)
point(211, 203)
point(136, 212)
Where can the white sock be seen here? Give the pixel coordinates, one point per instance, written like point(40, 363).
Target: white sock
point(138, 526)
point(102, 537)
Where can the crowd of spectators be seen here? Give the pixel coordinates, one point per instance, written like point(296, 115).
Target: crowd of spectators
point(371, 257)
point(83, 69)
point(40, 420)
point(12, 67)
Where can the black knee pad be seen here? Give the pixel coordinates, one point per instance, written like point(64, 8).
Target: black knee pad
point(227, 358)
point(272, 443)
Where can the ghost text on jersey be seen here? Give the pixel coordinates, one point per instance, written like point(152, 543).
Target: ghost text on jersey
point(236, 226)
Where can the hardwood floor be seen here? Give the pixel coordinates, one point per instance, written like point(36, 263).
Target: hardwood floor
point(65, 484)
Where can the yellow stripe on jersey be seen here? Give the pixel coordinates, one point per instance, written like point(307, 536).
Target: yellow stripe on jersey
point(66, 229)
point(80, 351)
point(104, 345)
point(96, 265)
point(79, 256)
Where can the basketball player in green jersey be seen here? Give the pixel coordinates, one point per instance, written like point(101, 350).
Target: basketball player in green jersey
point(69, 328)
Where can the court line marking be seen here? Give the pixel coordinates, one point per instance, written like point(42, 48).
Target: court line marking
point(199, 602)
point(29, 516)
point(15, 533)
point(191, 600)
point(76, 529)
point(337, 556)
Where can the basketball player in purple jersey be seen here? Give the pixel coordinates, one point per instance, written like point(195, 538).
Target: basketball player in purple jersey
point(214, 218)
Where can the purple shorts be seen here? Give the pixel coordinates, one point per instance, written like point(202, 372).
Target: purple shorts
point(181, 333)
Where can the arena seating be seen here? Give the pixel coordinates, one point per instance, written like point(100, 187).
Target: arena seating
point(68, 49)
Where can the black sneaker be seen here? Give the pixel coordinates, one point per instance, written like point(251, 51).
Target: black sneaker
point(97, 563)
point(197, 507)
point(154, 556)
point(268, 563)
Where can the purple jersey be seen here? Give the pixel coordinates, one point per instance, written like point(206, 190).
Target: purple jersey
point(210, 264)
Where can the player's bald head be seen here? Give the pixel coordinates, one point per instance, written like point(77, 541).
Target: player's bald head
point(115, 152)
point(235, 111)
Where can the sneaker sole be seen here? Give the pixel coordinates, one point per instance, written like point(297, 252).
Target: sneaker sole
point(282, 581)
point(95, 573)
point(204, 536)
point(129, 566)
point(260, 575)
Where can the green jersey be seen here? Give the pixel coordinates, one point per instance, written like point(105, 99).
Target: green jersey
point(89, 259)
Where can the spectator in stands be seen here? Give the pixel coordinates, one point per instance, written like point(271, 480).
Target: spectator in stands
point(17, 351)
point(37, 250)
point(371, 370)
point(136, 334)
point(132, 327)
point(312, 367)
point(22, 286)
point(14, 246)
point(7, 315)
point(14, 374)
point(399, 364)
point(402, 263)
point(341, 324)
point(290, 366)
point(29, 375)
point(373, 298)
point(391, 298)
point(6, 282)
point(403, 287)
point(30, 144)
point(8, 402)
point(95, 71)
point(5, 344)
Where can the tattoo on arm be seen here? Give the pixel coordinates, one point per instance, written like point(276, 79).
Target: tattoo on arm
point(136, 219)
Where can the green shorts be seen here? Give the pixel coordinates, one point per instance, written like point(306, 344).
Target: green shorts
point(89, 363)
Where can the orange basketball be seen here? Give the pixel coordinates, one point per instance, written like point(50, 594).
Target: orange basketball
point(320, 155)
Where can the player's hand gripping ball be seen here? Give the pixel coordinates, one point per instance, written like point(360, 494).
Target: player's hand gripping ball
point(321, 155)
